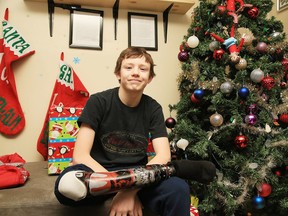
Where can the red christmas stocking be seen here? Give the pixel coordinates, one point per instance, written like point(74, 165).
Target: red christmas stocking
point(68, 92)
point(12, 47)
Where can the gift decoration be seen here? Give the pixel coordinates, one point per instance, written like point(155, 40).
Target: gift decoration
point(218, 54)
point(252, 108)
point(214, 45)
point(284, 62)
point(241, 65)
point(150, 150)
point(183, 55)
point(264, 189)
point(182, 144)
point(243, 92)
point(261, 47)
point(284, 118)
point(193, 41)
point(170, 122)
point(12, 171)
point(199, 93)
point(63, 129)
point(268, 82)
point(253, 12)
point(12, 48)
point(230, 44)
point(216, 120)
point(226, 87)
point(194, 99)
point(68, 93)
point(241, 141)
point(259, 202)
point(257, 75)
point(250, 119)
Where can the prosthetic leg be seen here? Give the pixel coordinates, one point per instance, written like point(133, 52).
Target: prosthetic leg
point(76, 185)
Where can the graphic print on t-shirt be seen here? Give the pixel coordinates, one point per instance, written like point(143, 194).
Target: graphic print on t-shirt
point(123, 142)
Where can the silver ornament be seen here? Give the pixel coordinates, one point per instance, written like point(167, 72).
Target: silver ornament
point(276, 34)
point(214, 45)
point(226, 87)
point(257, 75)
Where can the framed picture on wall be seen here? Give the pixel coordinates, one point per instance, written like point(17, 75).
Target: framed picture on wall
point(142, 30)
point(282, 4)
point(86, 29)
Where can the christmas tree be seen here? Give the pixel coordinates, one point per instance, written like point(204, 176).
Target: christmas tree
point(233, 107)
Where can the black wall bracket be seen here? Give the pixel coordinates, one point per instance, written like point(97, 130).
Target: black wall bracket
point(115, 17)
point(51, 7)
point(165, 21)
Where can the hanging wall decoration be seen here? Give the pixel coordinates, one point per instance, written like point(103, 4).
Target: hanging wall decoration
point(86, 29)
point(68, 98)
point(12, 47)
point(142, 31)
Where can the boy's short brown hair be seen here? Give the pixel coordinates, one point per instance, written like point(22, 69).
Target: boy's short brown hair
point(135, 52)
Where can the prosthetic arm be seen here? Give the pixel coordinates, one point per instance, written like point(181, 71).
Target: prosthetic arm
point(77, 185)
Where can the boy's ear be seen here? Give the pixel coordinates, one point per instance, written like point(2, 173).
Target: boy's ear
point(118, 76)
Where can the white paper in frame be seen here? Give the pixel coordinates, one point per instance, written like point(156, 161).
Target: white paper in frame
point(142, 30)
point(86, 30)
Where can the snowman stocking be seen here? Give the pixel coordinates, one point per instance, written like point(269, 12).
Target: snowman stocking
point(12, 47)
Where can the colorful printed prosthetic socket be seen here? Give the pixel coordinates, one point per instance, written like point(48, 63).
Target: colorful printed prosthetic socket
point(76, 185)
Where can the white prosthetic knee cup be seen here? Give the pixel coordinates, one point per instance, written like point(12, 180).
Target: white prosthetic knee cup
point(72, 187)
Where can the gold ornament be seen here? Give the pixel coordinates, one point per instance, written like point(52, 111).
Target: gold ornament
point(242, 64)
point(216, 120)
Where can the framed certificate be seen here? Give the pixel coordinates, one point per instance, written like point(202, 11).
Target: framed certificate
point(86, 29)
point(142, 30)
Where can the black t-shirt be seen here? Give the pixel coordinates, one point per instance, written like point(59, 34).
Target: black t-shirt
point(121, 132)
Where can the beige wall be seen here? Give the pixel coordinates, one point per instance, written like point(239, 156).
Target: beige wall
point(280, 15)
point(35, 75)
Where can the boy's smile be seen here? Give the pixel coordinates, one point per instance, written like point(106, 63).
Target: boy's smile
point(134, 74)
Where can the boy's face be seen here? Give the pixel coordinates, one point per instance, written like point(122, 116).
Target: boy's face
point(134, 74)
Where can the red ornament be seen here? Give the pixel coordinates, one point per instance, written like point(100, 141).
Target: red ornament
point(284, 62)
point(218, 54)
point(261, 47)
point(268, 82)
point(278, 54)
point(221, 9)
point(183, 56)
point(283, 84)
point(284, 118)
point(278, 173)
point(170, 122)
point(194, 99)
point(241, 141)
point(264, 190)
point(253, 12)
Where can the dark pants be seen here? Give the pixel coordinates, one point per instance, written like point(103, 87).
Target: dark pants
point(168, 198)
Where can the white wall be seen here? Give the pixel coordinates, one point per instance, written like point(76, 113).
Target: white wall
point(35, 75)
